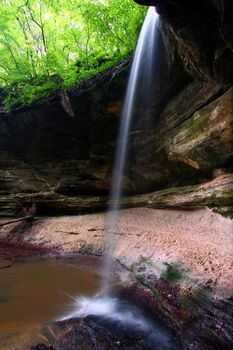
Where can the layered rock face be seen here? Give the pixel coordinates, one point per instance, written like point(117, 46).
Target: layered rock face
point(191, 140)
point(179, 144)
point(43, 149)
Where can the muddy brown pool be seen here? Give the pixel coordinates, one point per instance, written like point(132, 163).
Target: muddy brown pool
point(39, 290)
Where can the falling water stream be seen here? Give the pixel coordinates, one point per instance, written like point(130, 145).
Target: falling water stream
point(104, 305)
point(141, 77)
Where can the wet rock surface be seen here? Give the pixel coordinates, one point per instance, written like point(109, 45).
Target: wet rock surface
point(191, 322)
point(200, 321)
point(98, 333)
point(135, 329)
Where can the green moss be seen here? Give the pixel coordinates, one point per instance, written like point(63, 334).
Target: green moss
point(173, 273)
point(86, 248)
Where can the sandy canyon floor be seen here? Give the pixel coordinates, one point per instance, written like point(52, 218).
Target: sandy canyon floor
point(200, 242)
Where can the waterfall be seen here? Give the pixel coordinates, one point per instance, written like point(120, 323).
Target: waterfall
point(141, 76)
point(139, 93)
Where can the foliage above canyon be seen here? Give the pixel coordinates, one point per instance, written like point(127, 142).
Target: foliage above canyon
point(46, 45)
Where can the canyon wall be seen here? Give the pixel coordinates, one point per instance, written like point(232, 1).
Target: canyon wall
point(180, 145)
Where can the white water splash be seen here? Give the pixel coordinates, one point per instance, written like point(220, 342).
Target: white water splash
point(110, 308)
point(113, 309)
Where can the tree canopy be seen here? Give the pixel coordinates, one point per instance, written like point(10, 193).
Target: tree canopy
point(49, 44)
